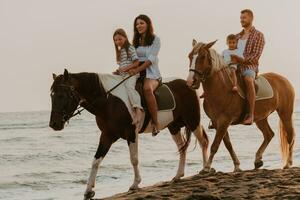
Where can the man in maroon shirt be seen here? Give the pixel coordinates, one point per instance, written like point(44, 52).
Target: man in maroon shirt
point(251, 42)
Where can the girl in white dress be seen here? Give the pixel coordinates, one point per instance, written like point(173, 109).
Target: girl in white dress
point(127, 59)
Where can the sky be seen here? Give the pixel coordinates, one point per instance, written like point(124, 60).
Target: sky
point(41, 37)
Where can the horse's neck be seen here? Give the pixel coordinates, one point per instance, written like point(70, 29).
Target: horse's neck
point(218, 87)
point(90, 89)
point(89, 86)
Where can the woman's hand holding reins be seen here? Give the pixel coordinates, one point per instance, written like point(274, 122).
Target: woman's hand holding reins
point(133, 71)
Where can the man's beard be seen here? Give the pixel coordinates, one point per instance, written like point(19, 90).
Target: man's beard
point(246, 25)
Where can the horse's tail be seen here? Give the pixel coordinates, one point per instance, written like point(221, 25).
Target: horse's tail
point(283, 142)
point(188, 134)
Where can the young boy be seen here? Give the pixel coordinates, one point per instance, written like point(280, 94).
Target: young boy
point(232, 42)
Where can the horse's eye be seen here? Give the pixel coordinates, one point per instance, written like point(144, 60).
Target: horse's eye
point(52, 94)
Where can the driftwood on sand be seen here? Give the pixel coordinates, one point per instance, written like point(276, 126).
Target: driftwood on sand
point(251, 184)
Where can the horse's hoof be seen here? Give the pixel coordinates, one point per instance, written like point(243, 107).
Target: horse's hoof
point(89, 195)
point(286, 167)
point(175, 179)
point(258, 164)
point(133, 188)
point(237, 170)
point(207, 171)
point(204, 171)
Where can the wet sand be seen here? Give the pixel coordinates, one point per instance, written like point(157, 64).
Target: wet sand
point(252, 184)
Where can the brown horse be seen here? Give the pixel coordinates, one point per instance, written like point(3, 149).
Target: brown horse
point(114, 119)
point(225, 107)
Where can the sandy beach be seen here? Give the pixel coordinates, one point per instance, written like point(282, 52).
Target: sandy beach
point(251, 184)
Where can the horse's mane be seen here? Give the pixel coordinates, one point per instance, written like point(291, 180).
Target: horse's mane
point(217, 60)
point(89, 82)
point(197, 47)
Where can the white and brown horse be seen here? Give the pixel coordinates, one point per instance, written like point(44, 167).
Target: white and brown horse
point(114, 119)
point(225, 107)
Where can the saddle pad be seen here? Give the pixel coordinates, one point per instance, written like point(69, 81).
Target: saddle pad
point(108, 81)
point(164, 98)
point(264, 91)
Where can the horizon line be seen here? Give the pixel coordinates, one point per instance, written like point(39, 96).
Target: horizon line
point(44, 110)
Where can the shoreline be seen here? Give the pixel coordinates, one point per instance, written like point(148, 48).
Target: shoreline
point(249, 184)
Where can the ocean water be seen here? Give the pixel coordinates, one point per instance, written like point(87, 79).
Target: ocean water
point(38, 163)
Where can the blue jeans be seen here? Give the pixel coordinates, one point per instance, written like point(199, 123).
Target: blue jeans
point(249, 73)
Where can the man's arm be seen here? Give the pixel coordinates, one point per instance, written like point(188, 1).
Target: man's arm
point(256, 51)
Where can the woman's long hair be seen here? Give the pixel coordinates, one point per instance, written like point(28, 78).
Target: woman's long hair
point(149, 36)
point(126, 46)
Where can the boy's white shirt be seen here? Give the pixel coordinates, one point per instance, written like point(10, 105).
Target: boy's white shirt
point(227, 52)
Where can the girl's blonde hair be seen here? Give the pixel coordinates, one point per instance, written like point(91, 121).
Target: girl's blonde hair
point(127, 44)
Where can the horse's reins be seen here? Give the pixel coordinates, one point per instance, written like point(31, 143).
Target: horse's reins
point(113, 88)
point(203, 76)
point(80, 108)
point(65, 115)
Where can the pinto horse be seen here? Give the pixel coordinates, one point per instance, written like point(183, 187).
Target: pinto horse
point(114, 119)
point(225, 107)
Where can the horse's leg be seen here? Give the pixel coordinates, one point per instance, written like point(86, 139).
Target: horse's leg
point(287, 137)
point(134, 158)
point(222, 126)
point(202, 138)
point(268, 134)
point(103, 147)
point(178, 139)
point(229, 147)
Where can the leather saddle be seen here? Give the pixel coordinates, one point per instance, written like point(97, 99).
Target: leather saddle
point(263, 90)
point(164, 98)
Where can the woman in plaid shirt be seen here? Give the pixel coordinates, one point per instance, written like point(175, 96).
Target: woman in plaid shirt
point(253, 43)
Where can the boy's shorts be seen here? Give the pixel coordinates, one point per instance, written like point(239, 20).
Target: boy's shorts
point(249, 73)
point(234, 66)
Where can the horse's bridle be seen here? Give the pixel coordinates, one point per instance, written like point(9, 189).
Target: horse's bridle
point(73, 95)
point(202, 76)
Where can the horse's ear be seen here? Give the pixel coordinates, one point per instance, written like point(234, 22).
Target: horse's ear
point(66, 75)
point(194, 42)
point(54, 76)
point(209, 45)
